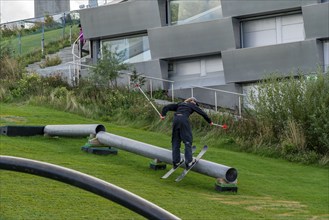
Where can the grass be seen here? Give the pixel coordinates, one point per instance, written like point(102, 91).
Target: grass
point(268, 188)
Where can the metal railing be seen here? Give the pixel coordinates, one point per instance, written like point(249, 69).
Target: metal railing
point(76, 62)
point(149, 78)
point(222, 91)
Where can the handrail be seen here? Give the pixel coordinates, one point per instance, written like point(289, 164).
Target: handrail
point(219, 90)
point(151, 77)
point(223, 91)
point(76, 70)
point(151, 85)
point(73, 46)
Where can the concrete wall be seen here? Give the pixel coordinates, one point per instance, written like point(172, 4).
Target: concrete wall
point(43, 7)
point(153, 68)
point(251, 64)
point(211, 79)
point(248, 7)
point(190, 39)
point(316, 20)
point(118, 19)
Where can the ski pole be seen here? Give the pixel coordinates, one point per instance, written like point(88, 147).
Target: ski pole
point(148, 100)
point(224, 126)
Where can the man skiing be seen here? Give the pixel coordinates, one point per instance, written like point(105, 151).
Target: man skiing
point(181, 130)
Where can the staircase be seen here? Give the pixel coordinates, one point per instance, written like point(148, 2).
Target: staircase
point(62, 69)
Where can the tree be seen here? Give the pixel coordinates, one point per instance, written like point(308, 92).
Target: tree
point(137, 79)
point(49, 20)
point(108, 68)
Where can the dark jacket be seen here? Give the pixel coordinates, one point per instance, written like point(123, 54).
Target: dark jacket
point(185, 109)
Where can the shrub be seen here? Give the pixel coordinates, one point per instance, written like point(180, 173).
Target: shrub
point(293, 139)
point(137, 79)
point(28, 85)
point(11, 69)
point(295, 110)
point(31, 57)
point(107, 69)
point(51, 61)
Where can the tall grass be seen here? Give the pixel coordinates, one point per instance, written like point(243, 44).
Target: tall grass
point(51, 61)
point(295, 112)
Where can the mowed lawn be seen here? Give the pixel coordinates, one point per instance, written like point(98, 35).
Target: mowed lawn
point(267, 188)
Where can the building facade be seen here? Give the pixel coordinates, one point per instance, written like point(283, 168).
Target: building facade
point(50, 7)
point(225, 45)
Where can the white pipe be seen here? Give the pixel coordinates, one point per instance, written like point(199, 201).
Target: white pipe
point(216, 101)
point(240, 106)
point(172, 92)
point(73, 130)
point(203, 166)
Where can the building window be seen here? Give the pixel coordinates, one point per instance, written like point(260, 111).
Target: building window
point(197, 67)
point(326, 55)
point(272, 30)
point(190, 11)
point(202, 71)
point(132, 50)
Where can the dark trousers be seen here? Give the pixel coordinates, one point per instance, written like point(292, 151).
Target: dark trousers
point(181, 132)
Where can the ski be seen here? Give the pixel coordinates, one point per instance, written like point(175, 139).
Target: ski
point(186, 170)
point(172, 170)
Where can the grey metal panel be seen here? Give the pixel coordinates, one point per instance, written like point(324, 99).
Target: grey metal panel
point(153, 68)
point(95, 51)
point(251, 64)
point(163, 12)
point(149, 68)
point(190, 39)
point(127, 17)
point(211, 79)
point(237, 32)
point(248, 7)
point(316, 20)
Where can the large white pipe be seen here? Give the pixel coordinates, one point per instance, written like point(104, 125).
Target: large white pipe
point(73, 130)
point(203, 166)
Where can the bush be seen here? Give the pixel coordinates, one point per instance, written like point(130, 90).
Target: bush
point(11, 69)
point(107, 69)
point(15, 84)
point(294, 111)
point(51, 61)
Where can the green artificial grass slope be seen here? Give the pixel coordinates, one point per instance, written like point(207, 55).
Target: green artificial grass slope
point(267, 188)
point(31, 42)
